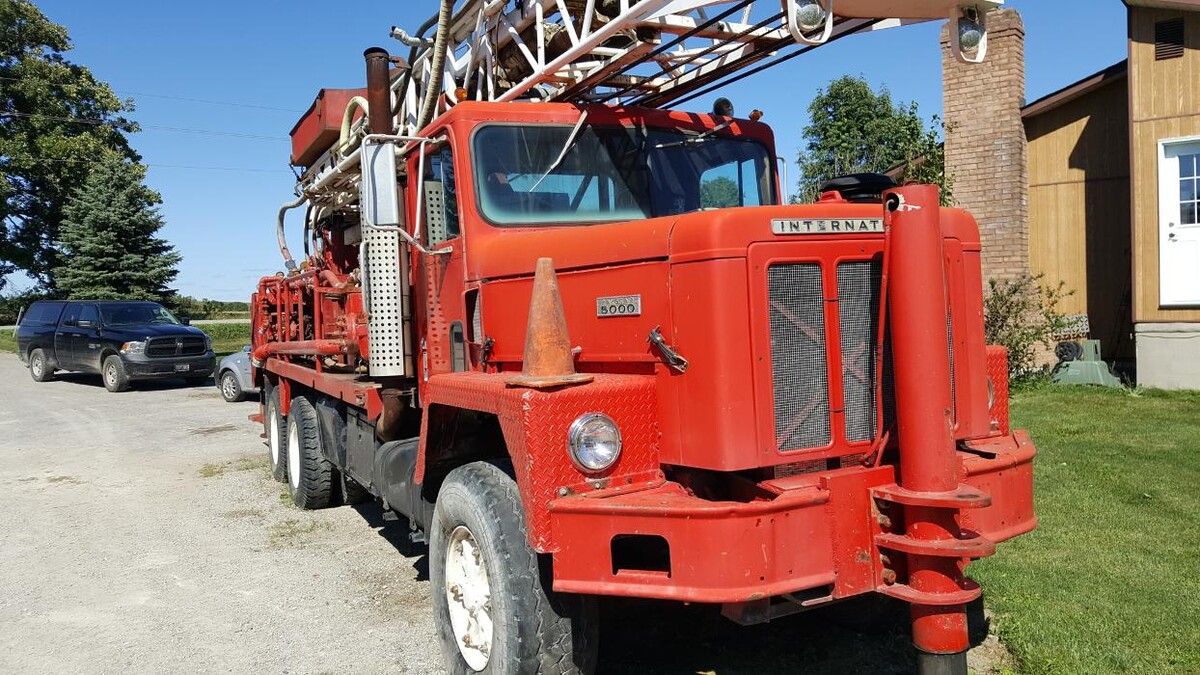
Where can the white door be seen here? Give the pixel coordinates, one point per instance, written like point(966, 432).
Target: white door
point(1179, 222)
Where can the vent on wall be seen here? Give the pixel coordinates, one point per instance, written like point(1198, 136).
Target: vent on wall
point(1168, 39)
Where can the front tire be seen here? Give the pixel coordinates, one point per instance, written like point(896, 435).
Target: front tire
point(310, 475)
point(115, 378)
point(231, 391)
point(39, 368)
point(276, 438)
point(494, 611)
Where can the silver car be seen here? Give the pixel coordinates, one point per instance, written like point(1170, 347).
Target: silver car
point(233, 376)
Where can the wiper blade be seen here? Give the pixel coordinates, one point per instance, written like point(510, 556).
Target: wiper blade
point(565, 149)
point(695, 140)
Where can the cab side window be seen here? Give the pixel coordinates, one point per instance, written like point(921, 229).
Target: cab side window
point(71, 316)
point(89, 313)
point(440, 191)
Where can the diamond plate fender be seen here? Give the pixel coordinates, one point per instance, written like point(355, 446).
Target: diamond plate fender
point(535, 427)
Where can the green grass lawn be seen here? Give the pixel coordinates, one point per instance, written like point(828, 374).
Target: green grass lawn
point(1110, 580)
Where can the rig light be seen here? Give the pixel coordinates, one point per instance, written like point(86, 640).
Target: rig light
point(969, 33)
point(810, 22)
point(809, 14)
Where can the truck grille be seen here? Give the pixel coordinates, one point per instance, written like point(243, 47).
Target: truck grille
point(859, 285)
point(798, 360)
point(175, 346)
point(803, 413)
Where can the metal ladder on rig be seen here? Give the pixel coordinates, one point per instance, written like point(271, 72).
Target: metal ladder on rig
point(648, 53)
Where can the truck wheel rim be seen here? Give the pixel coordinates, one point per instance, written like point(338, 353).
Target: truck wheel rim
point(227, 387)
point(469, 597)
point(36, 366)
point(273, 435)
point(293, 450)
point(110, 375)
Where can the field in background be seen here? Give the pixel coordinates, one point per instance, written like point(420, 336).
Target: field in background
point(227, 337)
point(1110, 580)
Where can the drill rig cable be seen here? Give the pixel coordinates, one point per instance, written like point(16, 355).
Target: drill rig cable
point(436, 67)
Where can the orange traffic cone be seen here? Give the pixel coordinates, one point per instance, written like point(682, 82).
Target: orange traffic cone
point(548, 359)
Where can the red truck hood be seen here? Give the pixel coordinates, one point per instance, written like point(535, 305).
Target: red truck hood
point(724, 233)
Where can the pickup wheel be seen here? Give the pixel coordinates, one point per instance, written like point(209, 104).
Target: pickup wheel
point(276, 437)
point(310, 475)
point(115, 378)
point(231, 391)
point(39, 368)
point(493, 607)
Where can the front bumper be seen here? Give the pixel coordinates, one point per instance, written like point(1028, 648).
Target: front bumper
point(140, 367)
point(821, 530)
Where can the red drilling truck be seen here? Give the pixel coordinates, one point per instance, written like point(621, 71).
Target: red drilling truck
point(581, 343)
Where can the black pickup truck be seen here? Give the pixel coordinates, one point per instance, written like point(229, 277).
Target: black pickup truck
point(120, 340)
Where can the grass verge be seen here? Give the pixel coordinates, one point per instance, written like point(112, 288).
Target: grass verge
point(227, 338)
point(1110, 580)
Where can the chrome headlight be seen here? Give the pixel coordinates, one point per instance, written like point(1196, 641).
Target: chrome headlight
point(594, 442)
point(138, 347)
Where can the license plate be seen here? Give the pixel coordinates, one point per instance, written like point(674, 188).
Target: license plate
point(182, 368)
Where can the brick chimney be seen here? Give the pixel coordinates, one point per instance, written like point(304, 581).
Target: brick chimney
point(986, 150)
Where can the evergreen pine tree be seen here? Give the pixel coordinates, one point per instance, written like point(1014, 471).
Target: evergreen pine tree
point(108, 240)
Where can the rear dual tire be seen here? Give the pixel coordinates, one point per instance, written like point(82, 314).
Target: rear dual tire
point(276, 437)
point(310, 475)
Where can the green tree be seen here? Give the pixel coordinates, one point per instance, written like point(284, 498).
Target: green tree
point(718, 193)
point(56, 122)
point(108, 242)
point(854, 129)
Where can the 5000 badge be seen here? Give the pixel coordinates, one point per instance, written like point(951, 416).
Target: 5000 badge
point(619, 305)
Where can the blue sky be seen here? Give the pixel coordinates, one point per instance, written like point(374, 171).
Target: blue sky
point(219, 84)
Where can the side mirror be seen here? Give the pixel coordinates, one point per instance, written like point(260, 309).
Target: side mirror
point(379, 199)
point(185, 320)
point(84, 323)
point(246, 349)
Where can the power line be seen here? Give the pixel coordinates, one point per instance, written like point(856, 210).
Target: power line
point(99, 122)
point(168, 96)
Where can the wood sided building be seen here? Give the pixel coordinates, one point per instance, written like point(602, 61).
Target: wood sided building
point(1109, 200)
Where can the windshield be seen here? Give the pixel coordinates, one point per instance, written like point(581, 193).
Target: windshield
point(613, 173)
point(136, 313)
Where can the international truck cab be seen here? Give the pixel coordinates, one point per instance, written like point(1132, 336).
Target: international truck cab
point(587, 351)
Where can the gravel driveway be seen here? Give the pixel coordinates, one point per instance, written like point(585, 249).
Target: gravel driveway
point(141, 533)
